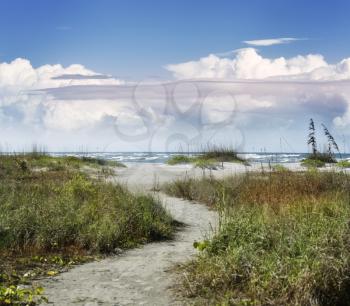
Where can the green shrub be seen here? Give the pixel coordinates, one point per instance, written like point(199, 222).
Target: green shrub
point(324, 157)
point(51, 210)
point(283, 239)
point(48, 213)
point(280, 168)
point(15, 295)
point(261, 257)
point(206, 164)
point(313, 163)
point(221, 154)
point(343, 164)
point(178, 159)
point(208, 156)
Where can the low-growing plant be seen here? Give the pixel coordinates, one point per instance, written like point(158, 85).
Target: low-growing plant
point(343, 164)
point(313, 163)
point(280, 168)
point(51, 212)
point(178, 159)
point(210, 154)
point(221, 154)
point(283, 239)
point(52, 217)
point(206, 164)
point(15, 295)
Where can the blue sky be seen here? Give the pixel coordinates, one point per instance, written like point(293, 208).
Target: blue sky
point(172, 72)
point(135, 39)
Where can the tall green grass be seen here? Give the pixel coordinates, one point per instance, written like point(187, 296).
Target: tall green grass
point(284, 239)
point(54, 212)
point(56, 208)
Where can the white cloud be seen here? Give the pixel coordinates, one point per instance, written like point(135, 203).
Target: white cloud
point(253, 94)
point(271, 41)
point(249, 64)
point(20, 75)
point(22, 107)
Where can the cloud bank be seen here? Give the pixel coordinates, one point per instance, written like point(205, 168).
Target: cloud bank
point(248, 100)
point(249, 64)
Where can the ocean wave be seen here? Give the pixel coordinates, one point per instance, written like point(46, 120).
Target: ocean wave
point(162, 157)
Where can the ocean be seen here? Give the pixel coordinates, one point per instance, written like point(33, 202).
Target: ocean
point(162, 157)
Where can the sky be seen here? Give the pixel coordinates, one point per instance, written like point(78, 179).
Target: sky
point(159, 75)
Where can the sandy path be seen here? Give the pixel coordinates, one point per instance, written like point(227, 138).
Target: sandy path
point(140, 276)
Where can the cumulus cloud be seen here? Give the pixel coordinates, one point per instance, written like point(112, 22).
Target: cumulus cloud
point(23, 107)
point(271, 41)
point(249, 64)
point(249, 96)
point(20, 74)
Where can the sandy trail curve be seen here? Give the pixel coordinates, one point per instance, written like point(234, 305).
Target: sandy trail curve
point(140, 276)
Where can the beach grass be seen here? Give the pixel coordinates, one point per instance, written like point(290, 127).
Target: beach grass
point(53, 215)
point(207, 157)
point(343, 164)
point(179, 159)
point(312, 163)
point(279, 168)
point(283, 239)
point(41, 159)
point(318, 160)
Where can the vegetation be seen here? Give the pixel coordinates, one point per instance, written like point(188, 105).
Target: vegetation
point(206, 164)
point(280, 168)
point(331, 141)
point(313, 163)
point(179, 159)
point(52, 216)
point(283, 239)
point(208, 158)
point(316, 158)
point(312, 137)
point(323, 157)
point(343, 164)
point(41, 159)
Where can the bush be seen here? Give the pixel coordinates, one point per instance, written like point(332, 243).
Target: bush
point(283, 240)
point(49, 212)
point(209, 155)
point(57, 212)
point(313, 163)
point(324, 157)
point(343, 164)
point(221, 154)
point(206, 164)
point(178, 159)
point(261, 257)
point(280, 168)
